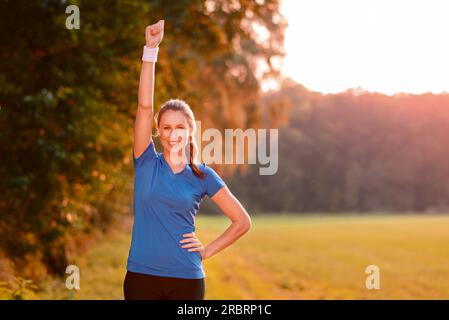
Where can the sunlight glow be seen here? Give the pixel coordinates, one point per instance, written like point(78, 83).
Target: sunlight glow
point(385, 46)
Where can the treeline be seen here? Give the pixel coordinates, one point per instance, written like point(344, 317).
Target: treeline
point(68, 100)
point(355, 151)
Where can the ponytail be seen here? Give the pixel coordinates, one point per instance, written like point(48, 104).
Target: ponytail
point(195, 169)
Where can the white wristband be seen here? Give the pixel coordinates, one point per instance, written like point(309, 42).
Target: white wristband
point(150, 54)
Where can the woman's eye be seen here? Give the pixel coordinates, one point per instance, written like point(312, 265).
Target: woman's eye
point(178, 128)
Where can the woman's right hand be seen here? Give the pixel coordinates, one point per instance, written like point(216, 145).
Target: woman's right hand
point(154, 34)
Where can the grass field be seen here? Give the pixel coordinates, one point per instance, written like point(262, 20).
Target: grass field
point(296, 257)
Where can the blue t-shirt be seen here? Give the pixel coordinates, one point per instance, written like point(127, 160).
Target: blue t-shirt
point(165, 206)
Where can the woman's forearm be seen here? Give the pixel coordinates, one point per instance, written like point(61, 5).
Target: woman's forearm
point(146, 85)
point(228, 237)
point(153, 36)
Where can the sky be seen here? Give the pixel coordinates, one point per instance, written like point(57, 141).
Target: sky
point(384, 46)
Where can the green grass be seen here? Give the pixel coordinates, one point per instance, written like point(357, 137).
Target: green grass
point(296, 257)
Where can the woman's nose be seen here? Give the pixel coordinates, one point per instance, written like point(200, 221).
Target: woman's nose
point(173, 135)
point(176, 133)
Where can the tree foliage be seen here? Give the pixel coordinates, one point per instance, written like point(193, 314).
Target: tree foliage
point(355, 151)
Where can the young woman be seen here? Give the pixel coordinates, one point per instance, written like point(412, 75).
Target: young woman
point(165, 257)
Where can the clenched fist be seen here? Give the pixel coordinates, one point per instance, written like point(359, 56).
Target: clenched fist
point(154, 34)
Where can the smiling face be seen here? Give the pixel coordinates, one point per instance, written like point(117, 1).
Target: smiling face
point(174, 130)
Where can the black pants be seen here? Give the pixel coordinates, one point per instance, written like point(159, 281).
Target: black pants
point(138, 286)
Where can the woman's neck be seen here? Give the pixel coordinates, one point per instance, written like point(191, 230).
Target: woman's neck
point(175, 160)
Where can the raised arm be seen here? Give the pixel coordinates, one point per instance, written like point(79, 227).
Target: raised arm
point(144, 114)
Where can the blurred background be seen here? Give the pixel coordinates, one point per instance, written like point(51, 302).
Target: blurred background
point(357, 89)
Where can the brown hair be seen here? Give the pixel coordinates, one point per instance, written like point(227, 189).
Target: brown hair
point(182, 106)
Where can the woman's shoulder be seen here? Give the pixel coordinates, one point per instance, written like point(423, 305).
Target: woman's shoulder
point(203, 166)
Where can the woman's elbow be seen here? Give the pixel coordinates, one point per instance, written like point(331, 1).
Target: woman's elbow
point(245, 224)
